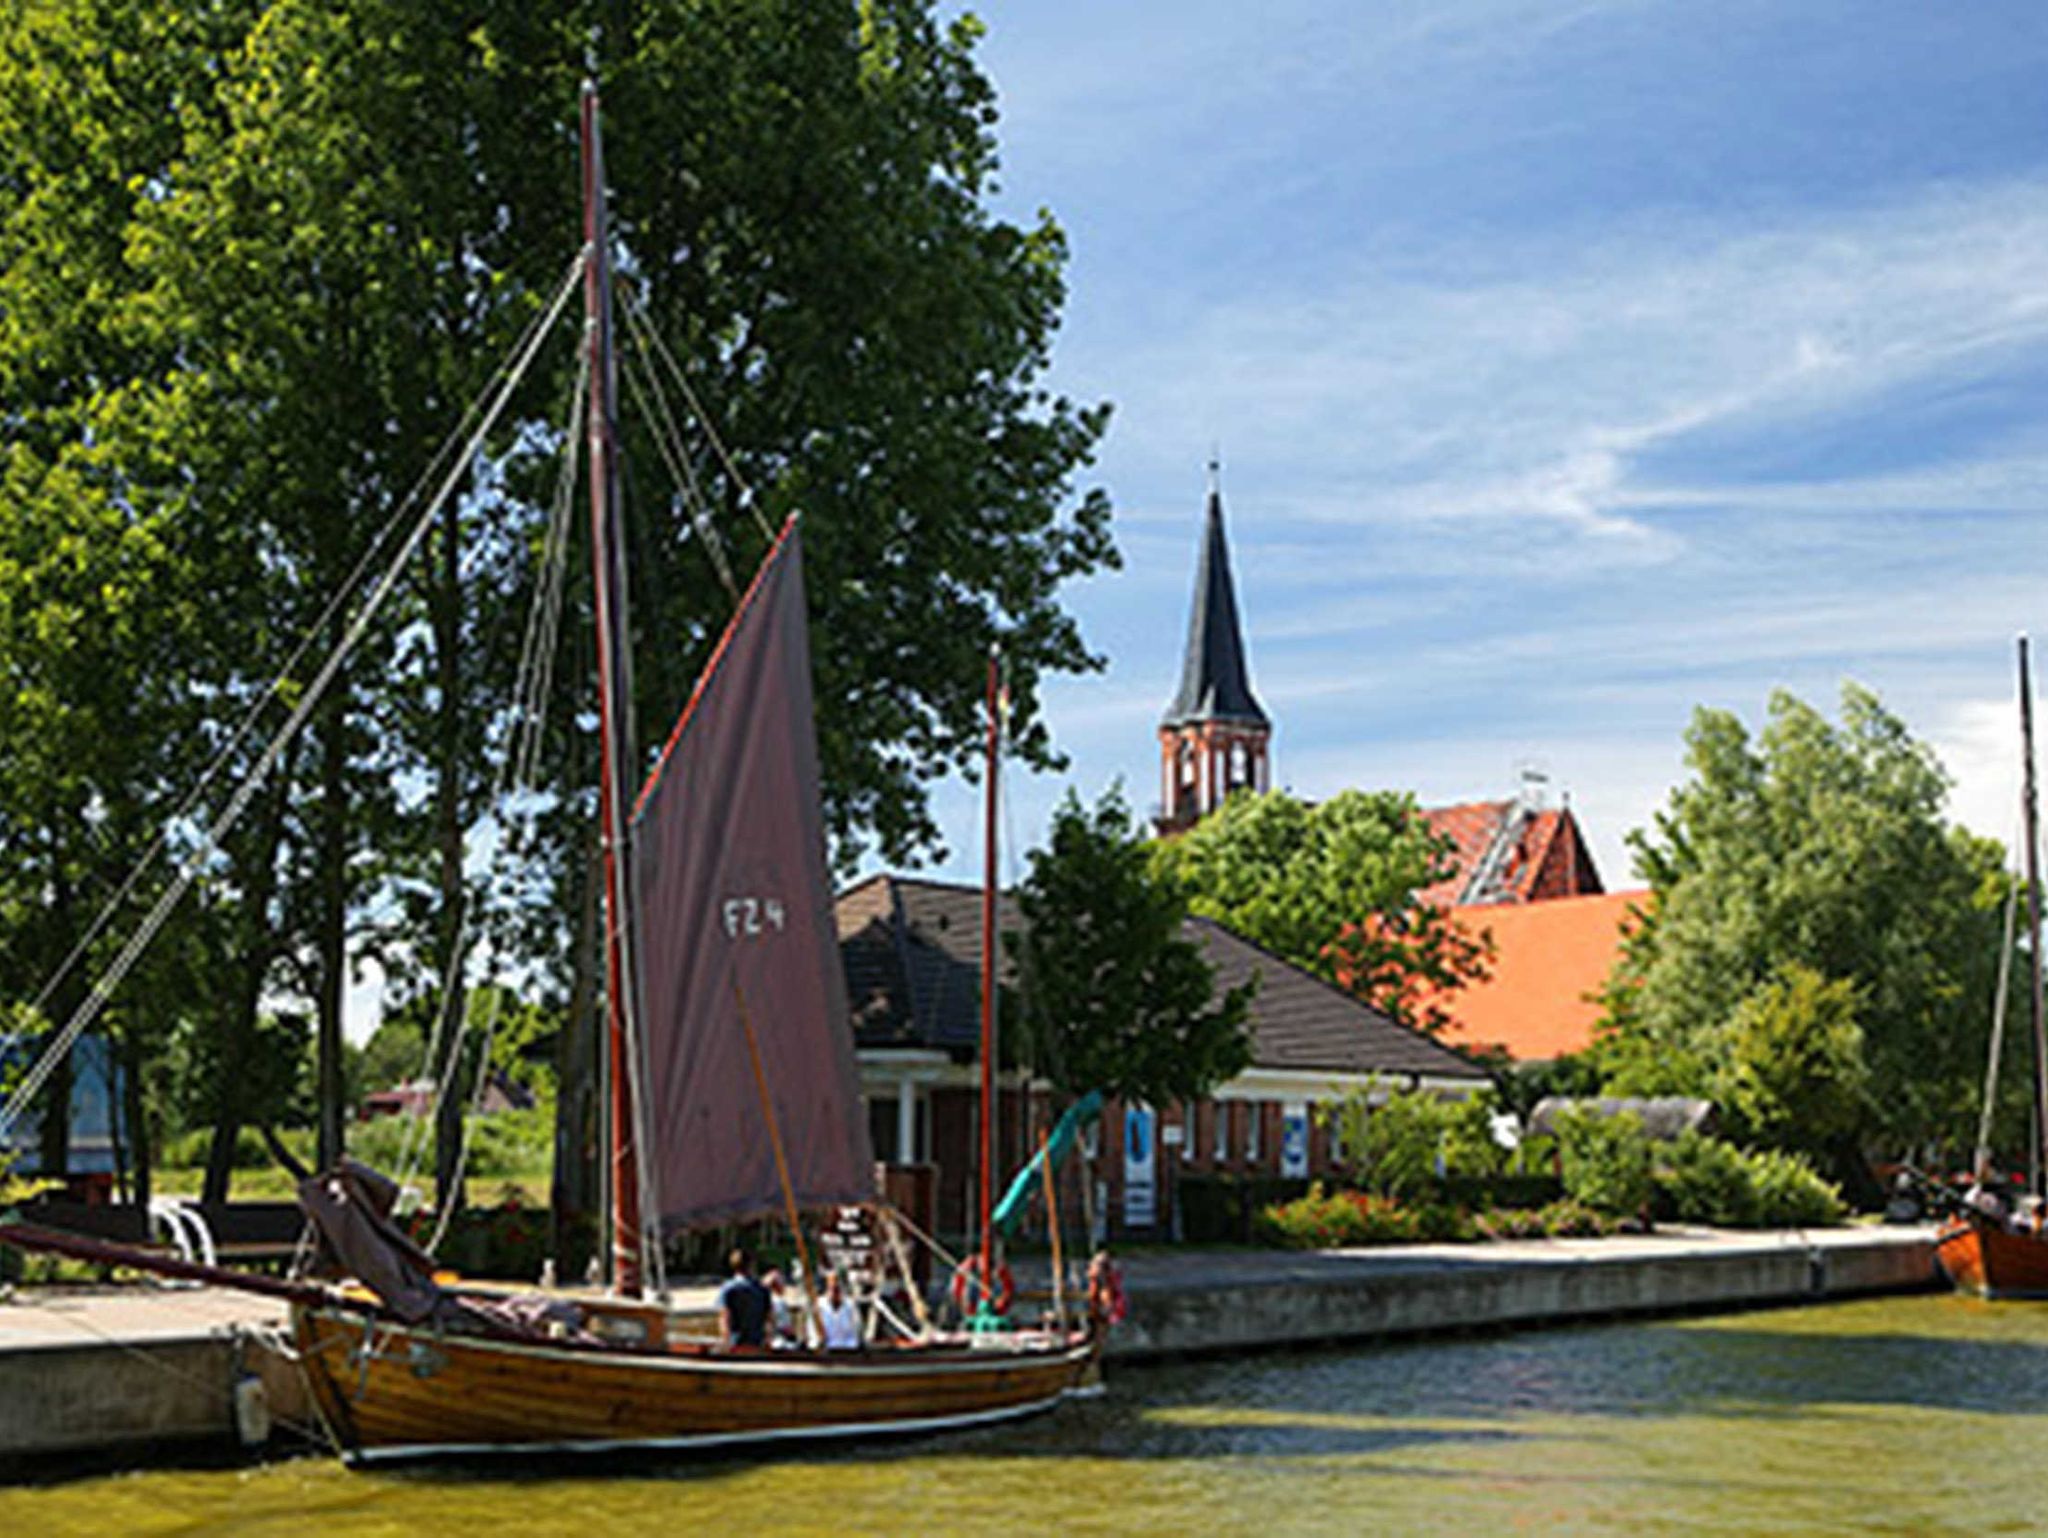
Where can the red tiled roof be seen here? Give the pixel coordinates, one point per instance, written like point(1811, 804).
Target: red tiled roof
point(1549, 957)
point(1470, 827)
point(1549, 859)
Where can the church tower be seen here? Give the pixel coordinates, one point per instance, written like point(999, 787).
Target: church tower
point(1214, 737)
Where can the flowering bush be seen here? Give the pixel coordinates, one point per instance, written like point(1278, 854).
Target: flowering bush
point(1324, 1220)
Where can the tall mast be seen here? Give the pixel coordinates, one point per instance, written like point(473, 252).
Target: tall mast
point(2037, 1178)
point(614, 698)
point(988, 969)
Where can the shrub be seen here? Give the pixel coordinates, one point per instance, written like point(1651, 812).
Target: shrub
point(1788, 1192)
point(1606, 1161)
point(188, 1150)
point(1324, 1220)
point(1510, 1223)
point(1224, 1209)
point(1704, 1180)
point(1568, 1219)
point(1407, 1146)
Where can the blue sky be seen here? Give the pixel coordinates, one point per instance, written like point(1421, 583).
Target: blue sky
point(1573, 365)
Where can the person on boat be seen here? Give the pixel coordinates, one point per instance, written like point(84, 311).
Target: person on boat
point(781, 1322)
point(743, 1303)
point(838, 1318)
point(1107, 1304)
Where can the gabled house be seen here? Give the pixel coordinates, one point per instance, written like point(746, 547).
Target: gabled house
point(1512, 851)
point(912, 949)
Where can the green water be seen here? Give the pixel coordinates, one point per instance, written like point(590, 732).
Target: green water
point(1915, 1415)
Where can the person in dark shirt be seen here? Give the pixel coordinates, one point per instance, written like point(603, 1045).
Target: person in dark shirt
point(743, 1302)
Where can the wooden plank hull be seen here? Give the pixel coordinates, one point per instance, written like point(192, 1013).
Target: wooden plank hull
point(390, 1391)
point(1992, 1261)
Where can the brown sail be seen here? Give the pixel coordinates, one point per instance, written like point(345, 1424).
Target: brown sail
point(732, 910)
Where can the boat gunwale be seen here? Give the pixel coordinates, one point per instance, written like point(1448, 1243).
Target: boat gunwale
point(944, 1358)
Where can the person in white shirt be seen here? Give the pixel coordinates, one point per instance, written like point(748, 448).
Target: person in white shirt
point(838, 1319)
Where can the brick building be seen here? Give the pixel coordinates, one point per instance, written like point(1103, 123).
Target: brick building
point(913, 963)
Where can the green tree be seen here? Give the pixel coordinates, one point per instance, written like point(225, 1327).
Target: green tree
point(1820, 847)
point(1116, 997)
point(1331, 887)
point(1792, 1071)
point(254, 256)
point(1404, 1143)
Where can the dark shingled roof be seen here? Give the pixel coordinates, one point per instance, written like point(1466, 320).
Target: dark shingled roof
point(1299, 1021)
point(913, 974)
point(1215, 684)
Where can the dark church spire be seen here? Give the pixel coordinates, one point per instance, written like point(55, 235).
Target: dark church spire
point(1215, 684)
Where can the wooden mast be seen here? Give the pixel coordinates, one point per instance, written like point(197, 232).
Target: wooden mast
point(613, 700)
point(2038, 1173)
point(988, 974)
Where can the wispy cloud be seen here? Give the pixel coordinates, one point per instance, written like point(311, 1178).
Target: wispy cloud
point(1573, 366)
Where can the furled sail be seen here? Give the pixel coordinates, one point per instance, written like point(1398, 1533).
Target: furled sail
point(734, 911)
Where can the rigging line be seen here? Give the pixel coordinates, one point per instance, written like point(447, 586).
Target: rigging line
point(528, 702)
point(278, 683)
point(558, 557)
point(1998, 1012)
point(517, 769)
point(476, 1105)
point(124, 961)
point(636, 313)
point(679, 470)
point(688, 483)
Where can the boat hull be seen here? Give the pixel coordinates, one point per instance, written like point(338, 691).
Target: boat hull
point(1985, 1258)
point(389, 1391)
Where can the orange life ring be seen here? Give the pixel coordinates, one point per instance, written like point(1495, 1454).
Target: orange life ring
point(967, 1275)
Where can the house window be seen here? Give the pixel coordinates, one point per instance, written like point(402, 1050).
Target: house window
point(1252, 1118)
point(1187, 1132)
point(1219, 1131)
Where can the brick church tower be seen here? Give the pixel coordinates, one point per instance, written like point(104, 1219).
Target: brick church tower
point(1214, 737)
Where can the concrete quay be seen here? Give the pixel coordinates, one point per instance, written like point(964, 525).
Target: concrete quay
point(132, 1373)
point(92, 1372)
point(1211, 1302)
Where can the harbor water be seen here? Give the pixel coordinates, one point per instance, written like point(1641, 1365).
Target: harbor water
point(1924, 1414)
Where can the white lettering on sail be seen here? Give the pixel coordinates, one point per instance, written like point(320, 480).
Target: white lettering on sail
point(749, 917)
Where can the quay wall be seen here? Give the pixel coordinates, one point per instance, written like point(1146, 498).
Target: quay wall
point(1374, 1294)
point(104, 1392)
point(91, 1398)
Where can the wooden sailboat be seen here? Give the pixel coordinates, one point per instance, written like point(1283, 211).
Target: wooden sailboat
point(1983, 1247)
point(734, 1097)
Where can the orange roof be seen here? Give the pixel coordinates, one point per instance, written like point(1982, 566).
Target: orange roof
point(1548, 958)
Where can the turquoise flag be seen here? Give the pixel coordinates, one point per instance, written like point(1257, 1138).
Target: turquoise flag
point(1017, 1200)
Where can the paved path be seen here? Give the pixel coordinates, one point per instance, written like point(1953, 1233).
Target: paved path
point(1173, 1270)
point(71, 1316)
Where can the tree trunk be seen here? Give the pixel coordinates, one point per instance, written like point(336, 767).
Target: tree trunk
point(259, 946)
